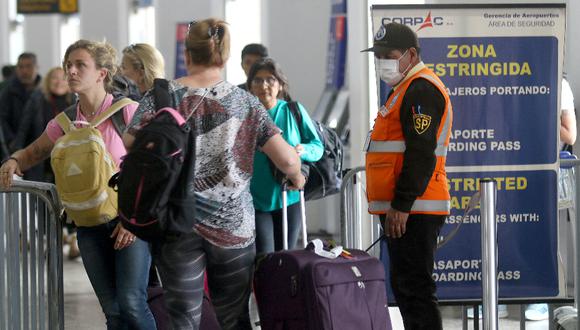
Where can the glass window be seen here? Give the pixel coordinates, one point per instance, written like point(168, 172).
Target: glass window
point(69, 32)
point(16, 34)
point(142, 25)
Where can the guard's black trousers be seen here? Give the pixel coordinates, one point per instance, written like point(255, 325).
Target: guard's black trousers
point(411, 269)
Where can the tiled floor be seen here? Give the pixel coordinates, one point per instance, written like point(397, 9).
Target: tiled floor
point(82, 310)
point(81, 307)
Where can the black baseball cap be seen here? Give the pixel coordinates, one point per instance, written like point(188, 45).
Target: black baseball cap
point(393, 36)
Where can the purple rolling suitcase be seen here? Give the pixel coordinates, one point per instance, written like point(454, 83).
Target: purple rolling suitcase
point(301, 290)
point(156, 301)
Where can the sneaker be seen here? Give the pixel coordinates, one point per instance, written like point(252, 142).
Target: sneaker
point(537, 312)
point(566, 316)
point(502, 312)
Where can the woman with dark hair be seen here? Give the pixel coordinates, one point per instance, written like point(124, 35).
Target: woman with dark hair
point(267, 81)
point(229, 125)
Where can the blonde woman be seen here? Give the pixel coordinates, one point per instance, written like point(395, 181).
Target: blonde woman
point(142, 63)
point(116, 262)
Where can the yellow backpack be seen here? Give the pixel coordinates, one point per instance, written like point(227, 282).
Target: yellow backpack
point(82, 167)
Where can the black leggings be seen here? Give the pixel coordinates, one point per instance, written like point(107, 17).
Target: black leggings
point(181, 265)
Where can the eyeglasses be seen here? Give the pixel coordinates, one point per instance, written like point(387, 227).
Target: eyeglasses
point(270, 81)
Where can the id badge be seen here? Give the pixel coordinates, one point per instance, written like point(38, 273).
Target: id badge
point(367, 142)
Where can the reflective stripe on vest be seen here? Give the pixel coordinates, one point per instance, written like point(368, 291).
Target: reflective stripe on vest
point(399, 146)
point(442, 137)
point(418, 205)
point(432, 80)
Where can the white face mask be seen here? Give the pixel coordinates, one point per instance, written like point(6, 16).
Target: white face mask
point(388, 70)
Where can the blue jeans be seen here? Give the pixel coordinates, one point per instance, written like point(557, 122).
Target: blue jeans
point(119, 277)
point(269, 229)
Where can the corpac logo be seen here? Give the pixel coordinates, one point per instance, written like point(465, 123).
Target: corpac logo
point(421, 22)
point(427, 23)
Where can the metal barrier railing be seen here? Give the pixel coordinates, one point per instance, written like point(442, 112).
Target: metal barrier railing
point(353, 235)
point(355, 231)
point(350, 209)
point(575, 163)
point(489, 254)
point(31, 269)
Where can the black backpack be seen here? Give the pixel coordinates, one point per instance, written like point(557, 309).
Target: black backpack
point(324, 175)
point(156, 197)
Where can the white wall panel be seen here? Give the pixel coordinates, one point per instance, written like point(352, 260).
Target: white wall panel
point(297, 37)
point(4, 33)
point(42, 36)
point(171, 12)
point(105, 19)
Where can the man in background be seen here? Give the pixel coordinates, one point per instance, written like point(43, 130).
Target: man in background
point(14, 96)
point(251, 54)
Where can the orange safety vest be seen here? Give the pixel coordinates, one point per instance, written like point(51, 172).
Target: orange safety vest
point(384, 157)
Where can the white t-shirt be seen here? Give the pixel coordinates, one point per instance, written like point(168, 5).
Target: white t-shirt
point(567, 97)
point(567, 102)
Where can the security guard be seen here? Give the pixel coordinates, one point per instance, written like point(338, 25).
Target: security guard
point(405, 167)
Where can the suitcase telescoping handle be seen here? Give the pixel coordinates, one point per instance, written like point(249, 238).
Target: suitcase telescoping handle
point(285, 216)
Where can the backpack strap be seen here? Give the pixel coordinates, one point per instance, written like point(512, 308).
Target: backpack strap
point(114, 108)
point(119, 123)
point(71, 112)
point(161, 95)
point(295, 111)
point(65, 118)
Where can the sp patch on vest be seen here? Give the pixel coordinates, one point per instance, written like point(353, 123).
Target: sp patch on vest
point(421, 122)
